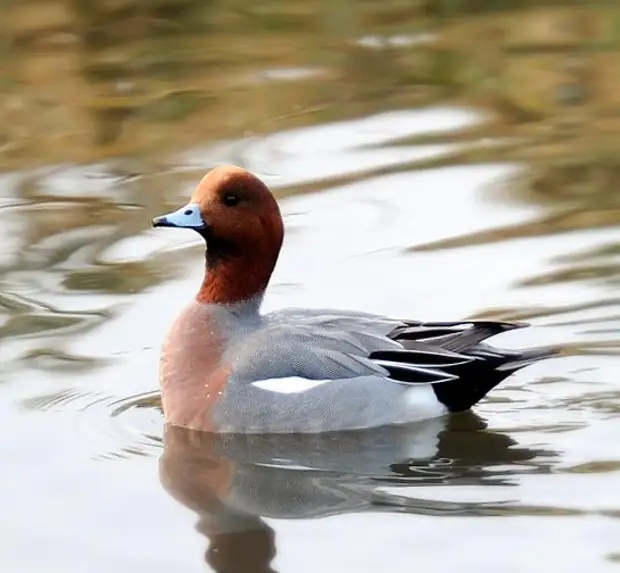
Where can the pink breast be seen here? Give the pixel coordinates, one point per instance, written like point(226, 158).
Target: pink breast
point(192, 375)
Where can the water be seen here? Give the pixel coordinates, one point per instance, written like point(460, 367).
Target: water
point(419, 175)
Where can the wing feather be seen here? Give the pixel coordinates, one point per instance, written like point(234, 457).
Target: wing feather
point(326, 344)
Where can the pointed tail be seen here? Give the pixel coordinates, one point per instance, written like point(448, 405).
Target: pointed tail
point(479, 377)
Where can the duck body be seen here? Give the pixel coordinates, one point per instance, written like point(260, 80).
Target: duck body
point(306, 370)
point(228, 368)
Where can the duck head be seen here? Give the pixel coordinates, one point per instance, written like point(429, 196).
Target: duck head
point(240, 221)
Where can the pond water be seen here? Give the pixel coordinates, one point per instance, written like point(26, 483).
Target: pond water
point(403, 193)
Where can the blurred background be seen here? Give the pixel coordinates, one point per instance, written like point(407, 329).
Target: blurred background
point(438, 159)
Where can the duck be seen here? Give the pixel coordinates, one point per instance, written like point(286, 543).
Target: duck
point(227, 367)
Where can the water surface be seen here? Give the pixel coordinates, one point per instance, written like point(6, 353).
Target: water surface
point(419, 175)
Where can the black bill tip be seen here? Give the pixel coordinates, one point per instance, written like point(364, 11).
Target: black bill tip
point(161, 222)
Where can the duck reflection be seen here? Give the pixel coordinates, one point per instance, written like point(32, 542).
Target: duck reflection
point(233, 481)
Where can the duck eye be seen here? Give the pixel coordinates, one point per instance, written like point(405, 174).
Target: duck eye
point(230, 199)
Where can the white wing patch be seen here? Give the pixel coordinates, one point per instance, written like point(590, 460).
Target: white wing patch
point(289, 384)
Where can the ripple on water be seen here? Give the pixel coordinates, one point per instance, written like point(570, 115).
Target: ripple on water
point(112, 427)
point(551, 429)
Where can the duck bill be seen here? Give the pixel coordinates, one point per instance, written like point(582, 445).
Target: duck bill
point(187, 217)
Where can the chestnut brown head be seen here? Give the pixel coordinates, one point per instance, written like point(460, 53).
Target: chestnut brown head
point(239, 219)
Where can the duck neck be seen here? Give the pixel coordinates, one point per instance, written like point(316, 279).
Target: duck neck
point(235, 279)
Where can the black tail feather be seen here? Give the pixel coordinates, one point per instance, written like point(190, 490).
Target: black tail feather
point(478, 378)
point(457, 348)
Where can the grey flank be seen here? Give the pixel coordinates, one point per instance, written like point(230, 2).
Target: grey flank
point(315, 345)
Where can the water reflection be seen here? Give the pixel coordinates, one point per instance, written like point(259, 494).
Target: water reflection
point(125, 85)
point(234, 482)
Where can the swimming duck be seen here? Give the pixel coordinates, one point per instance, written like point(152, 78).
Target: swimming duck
point(226, 367)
